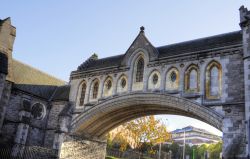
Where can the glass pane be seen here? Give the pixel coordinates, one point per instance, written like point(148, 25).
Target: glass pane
point(173, 76)
point(193, 79)
point(214, 81)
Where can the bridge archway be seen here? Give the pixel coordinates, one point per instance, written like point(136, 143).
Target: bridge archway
point(112, 112)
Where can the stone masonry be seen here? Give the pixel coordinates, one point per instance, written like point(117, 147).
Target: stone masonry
point(207, 79)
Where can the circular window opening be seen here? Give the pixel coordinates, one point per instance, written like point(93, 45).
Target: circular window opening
point(173, 76)
point(38, 111)
point(155, 79)
point(123, 83)
point(109, 84)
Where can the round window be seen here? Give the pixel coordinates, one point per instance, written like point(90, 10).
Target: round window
point(109, 85)
point(155, 79)
point(123, 83)
point(173, 76)
point(38, 111)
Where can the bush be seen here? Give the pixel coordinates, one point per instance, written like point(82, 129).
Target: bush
point(110, 157)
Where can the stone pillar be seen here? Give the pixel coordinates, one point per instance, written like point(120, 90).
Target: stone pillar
point(75, 147)
point(245, 26)
point(22, 129)
point(234, 132)
point(7, 38)
point(5, 87)
point(62, 127)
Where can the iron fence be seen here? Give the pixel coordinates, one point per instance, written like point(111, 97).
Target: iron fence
point(130, 154)
point(28, 152)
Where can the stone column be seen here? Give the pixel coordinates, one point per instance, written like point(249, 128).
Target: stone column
point(62, 128)
point(5, 87)
point(22, 129)
point(245, 26)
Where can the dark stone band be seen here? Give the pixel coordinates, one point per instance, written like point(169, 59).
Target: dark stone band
point(3, 63)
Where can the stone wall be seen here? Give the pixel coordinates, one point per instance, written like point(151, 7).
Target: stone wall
point(234, 79)
point(234, 137)
point(245, 27)
point(80, 148)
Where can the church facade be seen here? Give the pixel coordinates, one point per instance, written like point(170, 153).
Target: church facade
point(207, 79)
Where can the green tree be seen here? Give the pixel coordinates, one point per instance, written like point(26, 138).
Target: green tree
point(147, 130)
point(201, 151)
point(175, 149)
point(121, 141)
point(144, 132)
point(215, 150)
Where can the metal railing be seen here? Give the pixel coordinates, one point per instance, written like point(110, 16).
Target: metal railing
point(130, 154)
point(28, 152)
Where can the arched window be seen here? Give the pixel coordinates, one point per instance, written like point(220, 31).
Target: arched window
point(140, 70)
point(109, 84)
point(192, 79)
point(154, 81)
point(172, 79)
point(213, 80)
point(83, 92)
point(95, 90)
point(122, 84)
point(108, 88)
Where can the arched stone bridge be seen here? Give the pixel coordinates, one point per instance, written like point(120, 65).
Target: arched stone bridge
point(112, 112)
point(207, 79)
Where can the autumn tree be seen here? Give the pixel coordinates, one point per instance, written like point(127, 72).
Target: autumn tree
point(147, 130)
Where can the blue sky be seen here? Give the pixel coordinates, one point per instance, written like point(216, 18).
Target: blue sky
point(57, 36)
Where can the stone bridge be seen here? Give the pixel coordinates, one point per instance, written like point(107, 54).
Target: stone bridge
point(206, 79)
point(106, 115)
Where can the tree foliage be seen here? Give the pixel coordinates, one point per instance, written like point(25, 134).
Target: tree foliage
point(147, 130)
point(141, 134)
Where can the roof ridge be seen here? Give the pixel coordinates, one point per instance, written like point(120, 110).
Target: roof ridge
point(40, 71)
point(197, 39)
point(110, 57)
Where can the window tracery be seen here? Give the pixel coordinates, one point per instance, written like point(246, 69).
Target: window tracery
point(83, 92)
point(140, 70)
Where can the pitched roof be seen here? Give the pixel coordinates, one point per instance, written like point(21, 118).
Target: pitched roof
point(27, 75)
point(42, 91)
point(38, 83)
point(61, 93)
point(212, 42)
point(101, 63)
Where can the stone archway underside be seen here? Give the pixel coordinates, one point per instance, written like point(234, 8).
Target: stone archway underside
point(103, 117)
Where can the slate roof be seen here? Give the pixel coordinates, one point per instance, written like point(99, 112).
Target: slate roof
point(61, 93)
point(101, 63)
point(43, 91)
point(48, 92)
point(201, 44)
point(25, 74)
point(206, 43)
point(38, 83)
